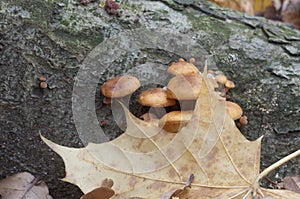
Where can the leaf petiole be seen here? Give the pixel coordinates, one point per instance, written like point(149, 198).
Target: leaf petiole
point(276, 164)
point(256, 187)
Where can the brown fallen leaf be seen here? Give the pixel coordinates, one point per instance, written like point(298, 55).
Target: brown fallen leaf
point(147, 162)
point(23, 185)
point(291, 183)
point(246, 6)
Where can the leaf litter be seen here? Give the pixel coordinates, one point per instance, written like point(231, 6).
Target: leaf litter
point(147, 162)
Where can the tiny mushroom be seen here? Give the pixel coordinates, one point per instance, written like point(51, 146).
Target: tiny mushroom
point(220, 78)
point(184, 87)
point(175, 120)
point(43, 85)
point(192, 60)
point(42, 78)
point(228, 85)
point(120, 86)
point(182, 67)
point(244, 120)
point(234, 110)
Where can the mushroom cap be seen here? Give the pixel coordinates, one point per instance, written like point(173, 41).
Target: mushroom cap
point(120, 86)
point(182, 67)
point(244, 120)
point(155, 97)
point(234, 110)
point(192, 60)
point(175, 120)
point(184, 87)
point(220, 78)
point(229, 84)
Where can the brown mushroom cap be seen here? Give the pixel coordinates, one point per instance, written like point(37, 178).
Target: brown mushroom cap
point(229, 84)
point(175, 120)
point(234, 110)
point(120, 86)
point(192, 60)
point(244, 120)
point(155, 97)
point(182, 67)
point(184, 87)
point(220, 78)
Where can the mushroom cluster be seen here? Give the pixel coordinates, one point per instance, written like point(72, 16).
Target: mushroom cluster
point(180, 93)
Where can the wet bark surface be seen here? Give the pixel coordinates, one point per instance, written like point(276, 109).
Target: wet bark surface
point(58, 39)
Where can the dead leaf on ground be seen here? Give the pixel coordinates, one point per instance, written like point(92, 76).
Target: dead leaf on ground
point(23, 185)
point(291, 183)
point(147, 162)
point(246, 6)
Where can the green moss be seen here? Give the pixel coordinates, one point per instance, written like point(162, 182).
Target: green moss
point(65, 22)
point(41, 12)
point(76, 42)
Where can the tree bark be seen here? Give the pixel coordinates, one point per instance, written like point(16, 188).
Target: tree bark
point(56, 39)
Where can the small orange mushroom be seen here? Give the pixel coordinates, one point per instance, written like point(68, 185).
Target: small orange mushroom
point(244, 120)
point(192, 60)
point(43, 85)
point(228, 85)
point(42, 78)
point(220, 78)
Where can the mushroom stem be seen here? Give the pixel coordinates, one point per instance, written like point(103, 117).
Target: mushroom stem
point(187, 104)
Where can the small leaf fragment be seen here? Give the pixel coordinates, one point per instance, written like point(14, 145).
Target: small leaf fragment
point(181, 191)
point(23, 185)
point(99, 193)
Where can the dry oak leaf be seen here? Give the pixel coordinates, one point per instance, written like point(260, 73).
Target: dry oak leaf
point(23, 185)
point(147, 162)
